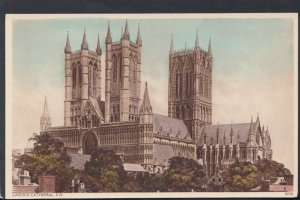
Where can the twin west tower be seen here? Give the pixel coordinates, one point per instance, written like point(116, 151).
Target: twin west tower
point(122, 80)
point(127, 125)
point(190, 82)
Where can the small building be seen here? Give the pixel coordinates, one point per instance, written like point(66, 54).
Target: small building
point(22, 183)
point(133, 169)
point(282, 184)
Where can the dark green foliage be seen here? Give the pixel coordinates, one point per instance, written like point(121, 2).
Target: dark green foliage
point(241, 177)
point(144, 182)
point(215, 184)
point(271, 168)
point(49, 157)
point(104, 172)
point(184, 175)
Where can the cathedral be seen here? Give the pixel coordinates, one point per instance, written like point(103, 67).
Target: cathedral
point(124, 121)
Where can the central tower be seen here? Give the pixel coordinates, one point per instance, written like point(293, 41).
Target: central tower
point(122, 77)
point(190, 86)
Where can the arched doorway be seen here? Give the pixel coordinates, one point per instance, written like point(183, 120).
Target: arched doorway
point(90, 143)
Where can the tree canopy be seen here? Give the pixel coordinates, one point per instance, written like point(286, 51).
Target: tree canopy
point(184, 175)
point(271, 168)
point(49, 157)
point(104, 172)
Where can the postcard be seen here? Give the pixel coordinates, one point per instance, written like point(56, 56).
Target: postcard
point(151, 105)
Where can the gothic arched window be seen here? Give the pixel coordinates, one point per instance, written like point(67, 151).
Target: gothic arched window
point(79, 74)
point(177, 112)
point(95, 79)
point(201, 84)
point(177, 84)
point(205, 86)
point(191, 83)
point(114, 68)
point(90, 75)
point(182, 113)
point(187, 83)
point(74, 76)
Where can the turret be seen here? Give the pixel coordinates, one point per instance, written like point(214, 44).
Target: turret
point(171, 46)
point(197, 46)
point(138, 37)
point(126, 35)
point(224, 138)
point(98, 49)
point(209, 49)
point(68, 46)
point(217, 135)
point(84, 44)
point(146, 115)
point(231, 134)
point(108, 36)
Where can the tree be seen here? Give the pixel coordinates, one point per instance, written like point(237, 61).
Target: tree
point(241, 177)
point(49, 157)
point(271, 168)
point(144, 182)
point(104, 172)
point(184, 175)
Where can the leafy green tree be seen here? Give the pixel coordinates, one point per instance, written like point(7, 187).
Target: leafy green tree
point(241, 177)
point(104, 172)
point(271, 168)
point(49, 157)
point(184, 175)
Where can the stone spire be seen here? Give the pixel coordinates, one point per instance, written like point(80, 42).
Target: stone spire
point(171, 46)
point(84, 44)
point(146, 105)
point(122, 32)
point(45, 121)
point(45, 111)
point(197, 46)
point(209, 48)
point(98, 49)
point(251, 136)
point(68, 46)
point(126, 35)
point(138, 37)
point(146, 108)
point(108, 36)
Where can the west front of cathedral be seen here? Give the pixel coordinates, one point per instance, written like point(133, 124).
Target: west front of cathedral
point(124, 121)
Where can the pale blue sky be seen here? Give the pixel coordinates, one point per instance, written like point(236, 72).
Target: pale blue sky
point(253, 67)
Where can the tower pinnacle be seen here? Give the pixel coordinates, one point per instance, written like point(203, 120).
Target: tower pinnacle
point(68, 46)
point(126, 35)
point(171, 46)
point(146, 108)
point(84, 44)
point(209, 48)
point(98, 49)
point(138, 37)
point(108, 36)
point(197, 46)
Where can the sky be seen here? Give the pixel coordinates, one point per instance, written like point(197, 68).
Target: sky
point(252, 74)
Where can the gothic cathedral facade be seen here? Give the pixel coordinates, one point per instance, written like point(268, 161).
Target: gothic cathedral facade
point(126, 124)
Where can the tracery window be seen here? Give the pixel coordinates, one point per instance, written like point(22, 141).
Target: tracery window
point(201, 84)
point(205, 86)
point(95, 79)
